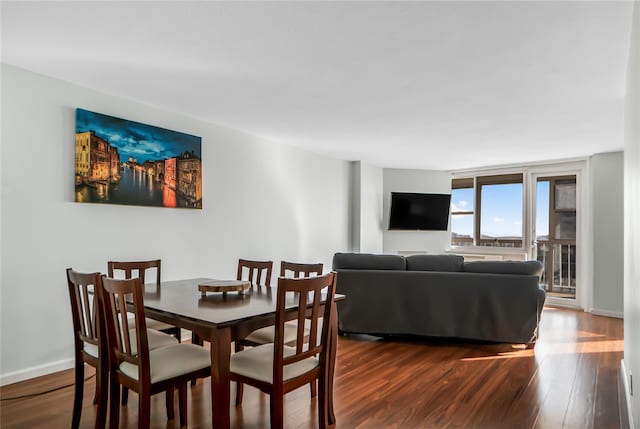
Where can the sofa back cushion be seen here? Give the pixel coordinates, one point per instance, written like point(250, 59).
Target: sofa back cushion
point(529, 268)
point(434, 263)
point(367, 261)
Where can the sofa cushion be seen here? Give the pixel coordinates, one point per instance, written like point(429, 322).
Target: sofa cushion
point(529, 268)
point(434, 262)
point(367, 261)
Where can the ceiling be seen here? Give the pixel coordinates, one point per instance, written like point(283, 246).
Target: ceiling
point(431, 85)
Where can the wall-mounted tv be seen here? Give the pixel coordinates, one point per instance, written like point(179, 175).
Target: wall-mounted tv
point(411, 211)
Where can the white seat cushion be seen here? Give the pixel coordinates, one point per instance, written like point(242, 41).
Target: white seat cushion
point(151, 323)
point(171, 361)
point(257, 363)
point(91, 350)
point(267, 334)
point(155, 338)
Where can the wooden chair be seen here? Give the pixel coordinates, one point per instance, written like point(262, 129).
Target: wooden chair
point(258, 272)
point(90, 339)
point(139, 268)
point(299, 270)
point(277, 368)
point(89, 343)
point(266, 335)
point(145, 371)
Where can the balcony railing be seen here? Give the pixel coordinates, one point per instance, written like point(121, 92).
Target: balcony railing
point(559, 261)
point(557, 258)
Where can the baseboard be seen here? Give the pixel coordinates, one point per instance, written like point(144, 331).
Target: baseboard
point(607, 313)
point(627, 392)
point(36, 371)
point(50, 368)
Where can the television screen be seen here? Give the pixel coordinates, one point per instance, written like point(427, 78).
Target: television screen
point(413, 211)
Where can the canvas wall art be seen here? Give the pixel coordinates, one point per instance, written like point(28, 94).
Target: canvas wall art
point(119, 161)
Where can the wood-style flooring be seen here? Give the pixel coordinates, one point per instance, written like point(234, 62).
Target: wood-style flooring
point(570, 380)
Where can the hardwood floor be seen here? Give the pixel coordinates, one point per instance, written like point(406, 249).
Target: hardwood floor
point(570, 380)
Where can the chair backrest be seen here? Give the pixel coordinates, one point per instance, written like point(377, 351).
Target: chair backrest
point(116, 294)
point(85, 309)
point(299, 270)
point(257, 270)
point(308, 293)
point(140, 267)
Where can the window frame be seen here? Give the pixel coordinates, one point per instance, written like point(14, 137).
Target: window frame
point(464, 183)
point(498, 179)
point(476, 182)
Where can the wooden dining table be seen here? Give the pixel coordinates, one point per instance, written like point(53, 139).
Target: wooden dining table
point(221, 319)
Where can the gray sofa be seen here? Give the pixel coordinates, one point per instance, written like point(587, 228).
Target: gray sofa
point(439, 296)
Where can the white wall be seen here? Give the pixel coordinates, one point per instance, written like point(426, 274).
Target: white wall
point(421, 181)
point(366, 228)
point(607, 188)
point(260, 200)
point(631, 223)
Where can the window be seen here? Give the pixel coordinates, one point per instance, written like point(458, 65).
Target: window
point(500, 210)
point(489, 213)
point(462, 209)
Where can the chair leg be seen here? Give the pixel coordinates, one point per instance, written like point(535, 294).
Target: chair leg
point(96, 393)
point(182, 404)
point(114, 402)
point(144, 410)
point(177, 333)
point(195, 339)
point(125, 395)
point(313, 389)
point(239, 386)
point(277, 411)
point(102, 393)
point(323, 405)
point(169, 403)
point(77, 394)
point(239, 393)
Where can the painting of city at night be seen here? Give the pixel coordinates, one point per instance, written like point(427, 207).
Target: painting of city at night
point(125, 162)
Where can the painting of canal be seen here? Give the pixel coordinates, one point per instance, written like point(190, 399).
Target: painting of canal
point(125, 162)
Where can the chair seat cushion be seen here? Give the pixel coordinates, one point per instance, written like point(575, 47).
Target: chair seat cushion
point(267, 334)
point(151, 323)
point(91, 349)
point(171, 361)
point(155, 338)
point(257, 363)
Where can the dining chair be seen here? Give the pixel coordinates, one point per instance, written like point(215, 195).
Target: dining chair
point(139, 268)
point(142, 370)
point(299, 269)
point(287, 269)
point(256, 272)
point(89, 343)
point(266, 335)
point(277, 368)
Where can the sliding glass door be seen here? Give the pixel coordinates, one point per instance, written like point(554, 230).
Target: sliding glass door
point(555, 244)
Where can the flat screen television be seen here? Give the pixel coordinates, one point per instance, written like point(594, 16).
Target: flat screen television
point(411, 211)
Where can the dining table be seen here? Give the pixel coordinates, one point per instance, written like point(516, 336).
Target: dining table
point(222, 318)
